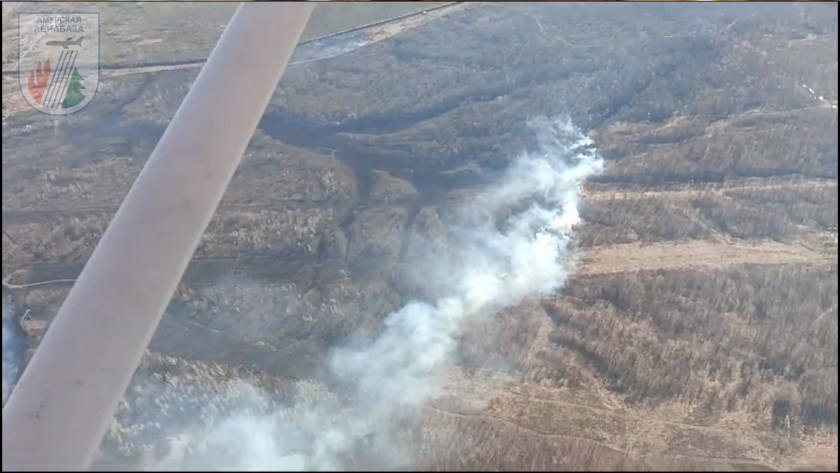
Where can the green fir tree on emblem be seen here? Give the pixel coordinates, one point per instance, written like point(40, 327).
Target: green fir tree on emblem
point(74, 95)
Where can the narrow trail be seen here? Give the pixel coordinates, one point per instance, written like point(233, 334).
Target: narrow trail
point(365, 35)
point(596, 261)
point(747, 185)
point(742, 462)
point(13, 216)
point(373, 33)
point(696, 254)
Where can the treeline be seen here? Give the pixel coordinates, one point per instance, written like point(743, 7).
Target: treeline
point(760, 338)
point(629, 220)
point(777, 212)
point(813, 206)
point(767, 150)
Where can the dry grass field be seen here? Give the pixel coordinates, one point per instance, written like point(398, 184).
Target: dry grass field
point(698, 331)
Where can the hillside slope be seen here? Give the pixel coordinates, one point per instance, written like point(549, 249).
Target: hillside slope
point(698, 330)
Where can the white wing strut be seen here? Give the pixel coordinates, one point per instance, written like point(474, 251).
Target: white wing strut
point(59, 412)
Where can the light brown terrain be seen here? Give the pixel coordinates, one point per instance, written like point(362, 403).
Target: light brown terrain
point(698, 332)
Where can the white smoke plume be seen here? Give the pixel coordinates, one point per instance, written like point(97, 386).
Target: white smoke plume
point(516, 247)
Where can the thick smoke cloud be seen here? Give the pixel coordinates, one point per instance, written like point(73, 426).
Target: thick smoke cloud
point(517, 246)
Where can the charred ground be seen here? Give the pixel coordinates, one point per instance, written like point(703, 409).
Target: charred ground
point(700, 330)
